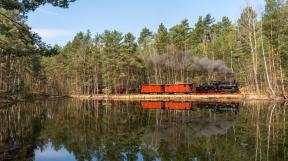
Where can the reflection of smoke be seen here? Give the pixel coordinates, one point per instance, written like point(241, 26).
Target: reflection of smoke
point(209, 127)
point(205, 127)
point(209, 66)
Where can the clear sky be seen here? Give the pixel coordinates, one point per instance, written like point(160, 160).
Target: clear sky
point(58, 26)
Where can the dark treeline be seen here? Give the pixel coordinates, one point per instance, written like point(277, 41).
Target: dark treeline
point(253, 51)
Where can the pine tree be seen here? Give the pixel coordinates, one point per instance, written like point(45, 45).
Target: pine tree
point(162, 39)
point(111, 42)
point(145, 34)
point(180, 35)
point(28, 5)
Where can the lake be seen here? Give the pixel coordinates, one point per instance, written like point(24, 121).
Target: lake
point(74, 129)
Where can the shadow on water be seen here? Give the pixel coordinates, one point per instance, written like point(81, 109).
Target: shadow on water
point(145, 130)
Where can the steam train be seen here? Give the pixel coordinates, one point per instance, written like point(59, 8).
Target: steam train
point(214, 87)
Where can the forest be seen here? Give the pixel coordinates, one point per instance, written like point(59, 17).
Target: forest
point(253, 51)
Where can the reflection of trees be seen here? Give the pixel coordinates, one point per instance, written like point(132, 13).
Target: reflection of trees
point(123, 130)
point(20, 127)
point(93, 129)
point(264, 134)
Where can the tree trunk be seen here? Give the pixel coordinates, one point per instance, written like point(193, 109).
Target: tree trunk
point(265, 62)
point(253, 54)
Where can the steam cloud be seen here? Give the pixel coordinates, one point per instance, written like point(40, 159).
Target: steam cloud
point(179, 61)
point(184, 60)
point(209, 66)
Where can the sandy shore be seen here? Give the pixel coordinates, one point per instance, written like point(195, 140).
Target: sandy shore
point(178, 97)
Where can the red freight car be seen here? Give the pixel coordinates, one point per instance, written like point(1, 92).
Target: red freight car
point(152, 105)
point(152, 88)
point(178, 88)
point(178, 105)
point(166, 105)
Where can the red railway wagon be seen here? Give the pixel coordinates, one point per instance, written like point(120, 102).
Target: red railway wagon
point(178, 88)
point(178, 105)
point(152, 105)
point(166, 105)
point(157, 88)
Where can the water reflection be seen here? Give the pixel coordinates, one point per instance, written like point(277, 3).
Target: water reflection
point(215, 106)
point(49, 153)
point(103, 130)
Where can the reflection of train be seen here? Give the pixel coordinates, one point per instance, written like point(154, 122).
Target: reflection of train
point(173, 105)
point(217, 106)
point(166, 105)
point(215, 87)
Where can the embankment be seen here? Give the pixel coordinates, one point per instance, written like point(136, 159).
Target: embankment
point(176, 97)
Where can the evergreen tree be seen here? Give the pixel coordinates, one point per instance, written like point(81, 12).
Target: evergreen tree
point(144, 35)
point(129, 60)
point(111, 41)
point(28, 5)
point(162, 39)
point(179, 35)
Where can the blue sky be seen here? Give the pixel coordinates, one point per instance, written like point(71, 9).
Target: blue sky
point(58, 26)
point(50, 154)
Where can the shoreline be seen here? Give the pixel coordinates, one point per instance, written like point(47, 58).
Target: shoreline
point(179, 97)
point(7, 102)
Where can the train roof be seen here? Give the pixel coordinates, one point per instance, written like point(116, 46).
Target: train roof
point(179, 83)
point(166, 84)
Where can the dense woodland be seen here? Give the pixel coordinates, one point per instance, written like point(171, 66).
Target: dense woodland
point(253, 50)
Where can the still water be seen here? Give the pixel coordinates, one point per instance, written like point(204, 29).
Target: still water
point(103, 130)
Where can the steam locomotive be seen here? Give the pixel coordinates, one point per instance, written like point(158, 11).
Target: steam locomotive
point(214, 87)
